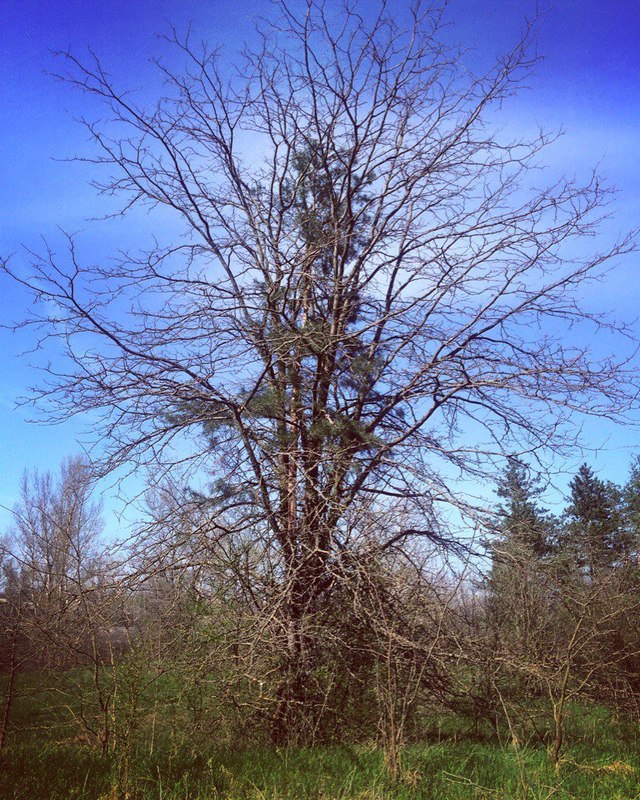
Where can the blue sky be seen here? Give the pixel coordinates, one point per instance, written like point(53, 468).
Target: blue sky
point(588, 81)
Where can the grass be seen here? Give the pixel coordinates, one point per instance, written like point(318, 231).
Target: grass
point(43, 759)
point(452, 771)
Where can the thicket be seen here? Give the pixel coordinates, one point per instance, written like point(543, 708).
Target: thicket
point(165, 647)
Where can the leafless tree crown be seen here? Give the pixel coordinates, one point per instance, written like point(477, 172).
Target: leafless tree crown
point(371, 294)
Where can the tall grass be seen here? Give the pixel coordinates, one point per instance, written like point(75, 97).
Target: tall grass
point(446, 771)
point(44, 758)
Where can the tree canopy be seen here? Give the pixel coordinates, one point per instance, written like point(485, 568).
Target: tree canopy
point(371, 296)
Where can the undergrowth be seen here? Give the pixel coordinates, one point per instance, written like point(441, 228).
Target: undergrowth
point(45, 760)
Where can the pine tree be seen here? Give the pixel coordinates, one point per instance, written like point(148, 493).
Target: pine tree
point(631, 512)
point(523, 523)
point(517, 584)
point(522, 537)
point(594, 533)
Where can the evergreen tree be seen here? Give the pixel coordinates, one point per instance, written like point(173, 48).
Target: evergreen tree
point(522, 536)
point(523, 523)
point(594, 532)
point(517, 583)
point(631, 511)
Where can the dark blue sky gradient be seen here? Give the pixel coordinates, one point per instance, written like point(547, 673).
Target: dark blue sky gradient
point(588, 81)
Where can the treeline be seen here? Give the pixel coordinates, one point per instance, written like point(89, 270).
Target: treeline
point(556, 619)
point(178, 636)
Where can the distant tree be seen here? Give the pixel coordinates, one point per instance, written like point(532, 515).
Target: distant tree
point(594, 532)
point(13, 653)
point(631, 511)
point(54, 549)
point(521, 520)
point(54, 603)
point(560, 600)
point(517, 584)
point(522, 537)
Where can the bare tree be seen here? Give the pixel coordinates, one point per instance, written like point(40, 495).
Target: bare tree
point(348, 317)
point(54, 547)
point(55, 610)
point(13, 655)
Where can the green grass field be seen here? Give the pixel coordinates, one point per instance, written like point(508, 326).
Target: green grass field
point(44, 758)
